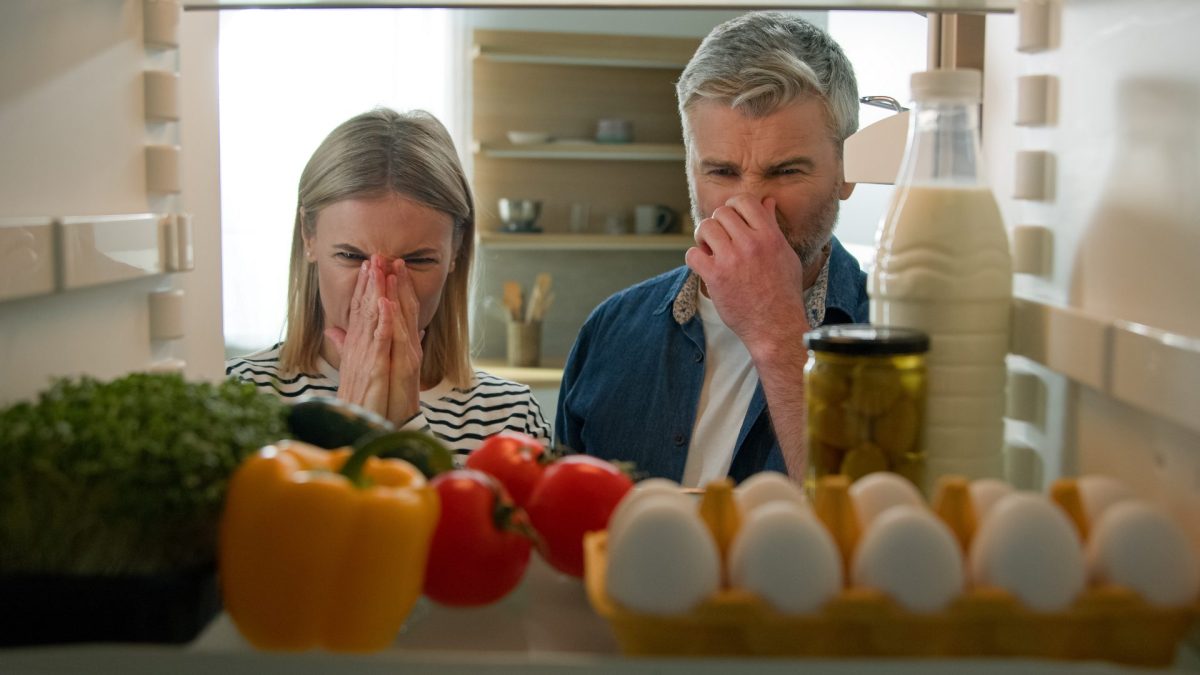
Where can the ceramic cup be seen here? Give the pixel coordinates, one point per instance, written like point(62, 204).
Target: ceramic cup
point(614, 130)
point(616, 223)
point(653, 218)
point(580, 217)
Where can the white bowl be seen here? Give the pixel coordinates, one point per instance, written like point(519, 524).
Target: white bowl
point(528, 137)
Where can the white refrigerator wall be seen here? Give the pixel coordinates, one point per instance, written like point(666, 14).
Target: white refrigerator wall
point(1122, 207)
point(72, 132)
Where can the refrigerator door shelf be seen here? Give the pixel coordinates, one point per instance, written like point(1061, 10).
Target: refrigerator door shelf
point(26, 257)
point(1152, 370)
point(100, 250)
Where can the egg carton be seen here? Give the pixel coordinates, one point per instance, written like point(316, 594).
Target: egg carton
point(1106, 622)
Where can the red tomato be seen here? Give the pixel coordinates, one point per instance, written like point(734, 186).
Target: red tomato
point(516, 460)
point(576, 495)
point(481, 545)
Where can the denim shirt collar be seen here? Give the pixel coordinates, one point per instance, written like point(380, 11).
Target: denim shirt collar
point(844, 295)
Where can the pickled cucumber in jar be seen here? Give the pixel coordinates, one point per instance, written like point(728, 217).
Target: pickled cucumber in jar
point(865, 397)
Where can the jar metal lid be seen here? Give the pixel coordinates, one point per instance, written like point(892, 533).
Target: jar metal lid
point(866, 340)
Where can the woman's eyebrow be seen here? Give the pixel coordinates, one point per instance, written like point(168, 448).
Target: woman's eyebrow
point(421, 252)
point(349, 248)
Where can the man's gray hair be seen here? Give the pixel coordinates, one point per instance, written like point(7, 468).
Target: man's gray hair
point(762, 61)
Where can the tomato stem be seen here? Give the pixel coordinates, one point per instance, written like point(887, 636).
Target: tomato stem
point(509, 517)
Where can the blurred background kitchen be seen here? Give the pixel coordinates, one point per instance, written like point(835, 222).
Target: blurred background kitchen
point(524, 93)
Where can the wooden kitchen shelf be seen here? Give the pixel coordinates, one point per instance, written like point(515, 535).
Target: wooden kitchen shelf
point(540, 241)
point(547, 375)
point(577, 49)
point(502, 55)
point(627, 152)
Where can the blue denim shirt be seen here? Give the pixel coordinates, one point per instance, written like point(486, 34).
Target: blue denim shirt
point(632, 382)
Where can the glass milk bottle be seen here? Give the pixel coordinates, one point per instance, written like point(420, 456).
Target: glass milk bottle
point(942, 266)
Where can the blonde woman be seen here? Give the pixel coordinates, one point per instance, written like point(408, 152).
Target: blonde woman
point(377, 293)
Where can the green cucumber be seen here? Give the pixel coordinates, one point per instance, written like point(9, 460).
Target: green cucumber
point(330, 423)
point(418, 448)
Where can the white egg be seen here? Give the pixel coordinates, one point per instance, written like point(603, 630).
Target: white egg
point(1029, 547)
point(765, 487)
point(786, 556)
point(985, 492)
point(876, 492)
point(1142, 547)
point(1098, 492)
point(642, 489)
point(663, 560)
point(909, 554)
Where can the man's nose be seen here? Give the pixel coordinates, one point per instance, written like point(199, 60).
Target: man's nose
point(759, 189)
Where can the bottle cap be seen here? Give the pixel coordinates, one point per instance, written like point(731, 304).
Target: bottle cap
point(957, 85)
point(860, 339)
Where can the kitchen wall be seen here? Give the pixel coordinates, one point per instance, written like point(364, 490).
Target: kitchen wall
point(582, 278)
point(885, 48)
point(71, 137)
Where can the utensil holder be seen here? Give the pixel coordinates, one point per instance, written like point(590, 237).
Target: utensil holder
point(524, 343)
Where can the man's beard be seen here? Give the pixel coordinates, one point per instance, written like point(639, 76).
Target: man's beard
point(808, 242)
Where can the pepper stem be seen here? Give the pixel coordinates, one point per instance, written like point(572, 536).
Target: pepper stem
point(357, 461)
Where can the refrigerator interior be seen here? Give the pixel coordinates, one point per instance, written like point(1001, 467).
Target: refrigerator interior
point(1107, 347)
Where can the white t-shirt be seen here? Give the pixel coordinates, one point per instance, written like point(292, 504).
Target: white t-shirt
point(729, 383)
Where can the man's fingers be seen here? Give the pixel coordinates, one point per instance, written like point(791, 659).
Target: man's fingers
point(750, 211)
point(698, 261)
point(712, 237)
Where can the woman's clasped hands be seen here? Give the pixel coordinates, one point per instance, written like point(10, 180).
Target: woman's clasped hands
point(380, 348)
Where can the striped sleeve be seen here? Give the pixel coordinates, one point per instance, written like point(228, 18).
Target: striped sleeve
point(464, 418)
point(262, 370)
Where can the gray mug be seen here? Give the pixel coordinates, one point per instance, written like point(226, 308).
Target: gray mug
point(653, 218)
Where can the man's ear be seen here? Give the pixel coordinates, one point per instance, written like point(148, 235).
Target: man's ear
point(846, 188)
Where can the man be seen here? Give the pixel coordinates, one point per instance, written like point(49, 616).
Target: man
point(699, 373)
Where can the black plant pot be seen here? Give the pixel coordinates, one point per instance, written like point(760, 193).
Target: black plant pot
point(56, 609)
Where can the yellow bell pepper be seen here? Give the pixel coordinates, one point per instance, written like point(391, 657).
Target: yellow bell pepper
point(324, 548)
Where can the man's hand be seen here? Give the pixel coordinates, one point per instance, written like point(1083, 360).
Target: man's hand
point(755, 279)
point(756, 282)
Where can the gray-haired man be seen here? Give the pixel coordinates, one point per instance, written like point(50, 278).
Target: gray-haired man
point(698, 373)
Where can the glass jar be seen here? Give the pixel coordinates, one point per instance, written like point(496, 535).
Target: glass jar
point(865, 392)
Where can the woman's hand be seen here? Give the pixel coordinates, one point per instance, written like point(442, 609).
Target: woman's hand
point(364, 347)
point(380, 349)
point(404, 387)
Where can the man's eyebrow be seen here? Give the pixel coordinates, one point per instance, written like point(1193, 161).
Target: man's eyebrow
point(803, 162)
point(717, 164)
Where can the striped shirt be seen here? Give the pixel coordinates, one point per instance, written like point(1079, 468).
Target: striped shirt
point(460, 418)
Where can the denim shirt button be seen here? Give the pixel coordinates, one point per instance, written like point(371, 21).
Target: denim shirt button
point(679, 439)
point(699, 357)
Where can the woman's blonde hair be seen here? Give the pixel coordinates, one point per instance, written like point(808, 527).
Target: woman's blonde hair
point(381, 151)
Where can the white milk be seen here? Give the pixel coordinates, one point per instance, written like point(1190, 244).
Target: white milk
point(943, 266)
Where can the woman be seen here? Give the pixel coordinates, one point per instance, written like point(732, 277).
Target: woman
point(377, 294)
